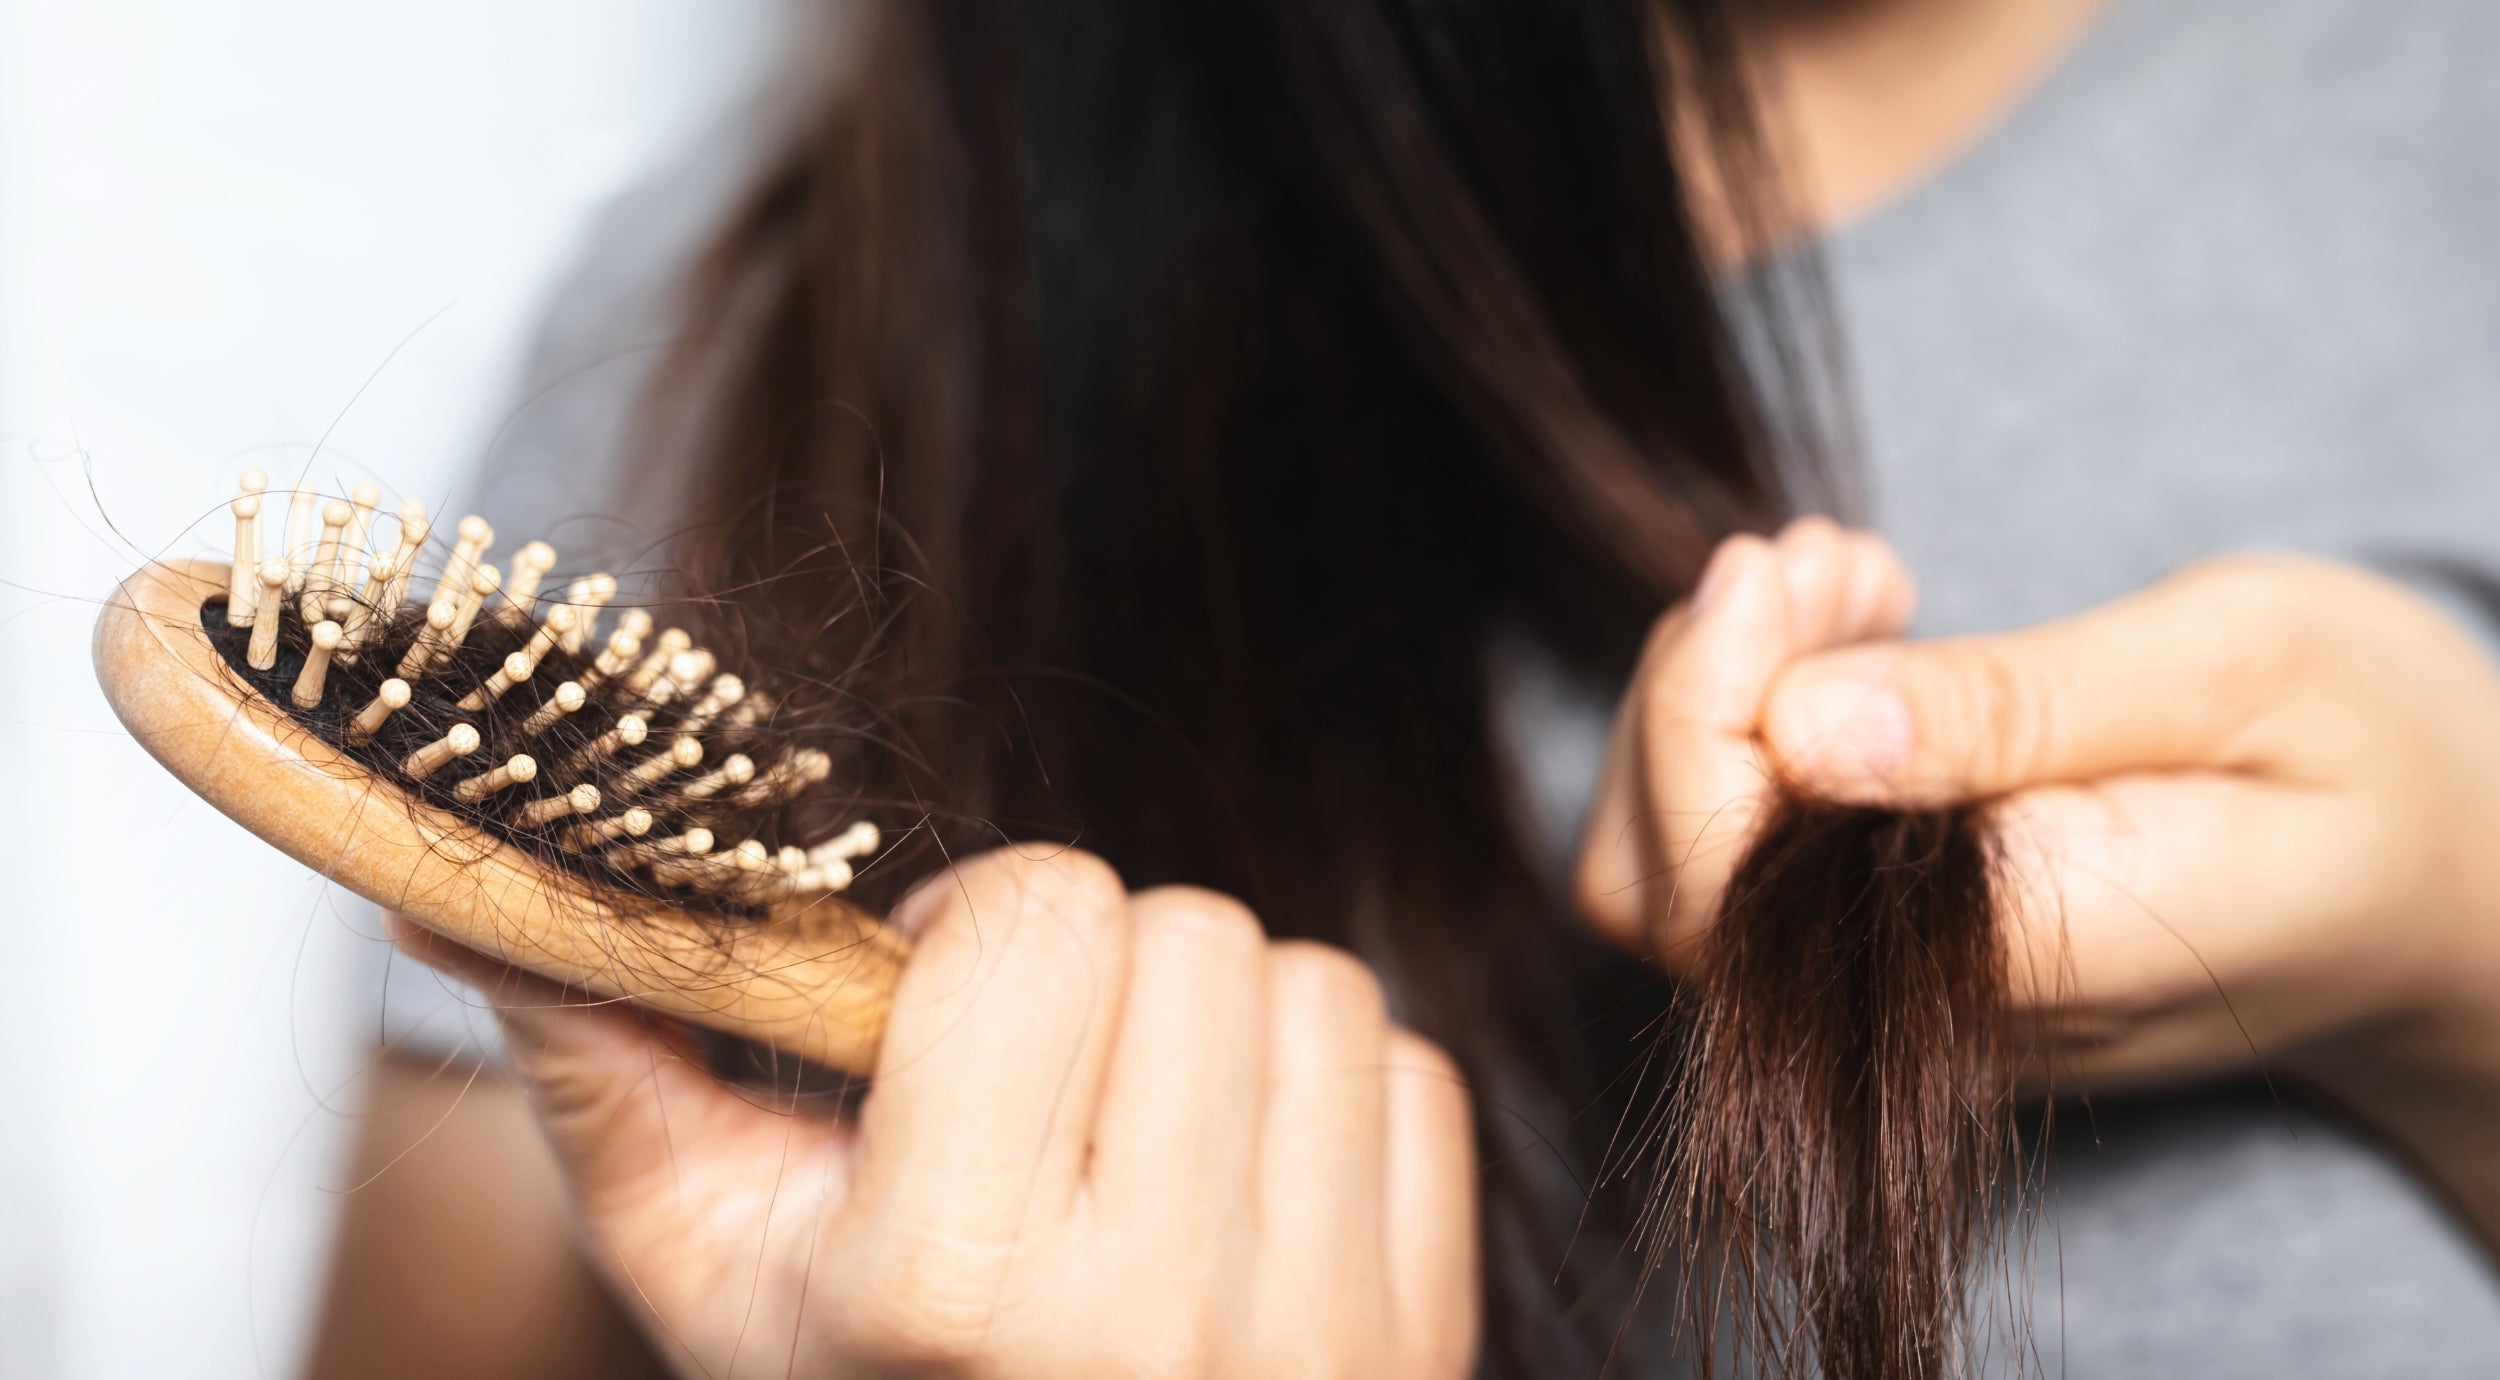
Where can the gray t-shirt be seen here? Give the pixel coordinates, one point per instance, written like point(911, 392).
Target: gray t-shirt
point(2228, 279)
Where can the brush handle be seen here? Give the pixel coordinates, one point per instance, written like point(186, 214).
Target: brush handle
point(814, 978)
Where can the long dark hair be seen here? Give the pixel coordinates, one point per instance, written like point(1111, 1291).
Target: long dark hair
point(1153, 413)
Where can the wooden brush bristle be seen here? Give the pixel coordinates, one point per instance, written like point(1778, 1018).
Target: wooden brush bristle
point(626, 757)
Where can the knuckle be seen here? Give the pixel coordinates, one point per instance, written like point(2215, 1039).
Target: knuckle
point(1875, 555)
point(2242, 586)
point(1749, 547)
point(1813, 527)
point(1814, 549)
point(1746, 546)
point(1870, 547)
point(2266, 617)
point(1412, 1056)
point(1600, 897)
point(1196, 918)
point(1069, 887)
point(924, 1310)
point(1409, 1050)
point(1613, 876)
point(2025, 709)
point(1309, 975)
point(2003, 715)
point(2262, 600)
point(1663, 630)
point(2253, 575)
point(1661, 634)
point(1069, 880)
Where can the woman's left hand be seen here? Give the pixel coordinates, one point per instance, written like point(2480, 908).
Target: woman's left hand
point(2250, 813)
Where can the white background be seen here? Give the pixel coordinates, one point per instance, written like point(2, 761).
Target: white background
point(218, 220)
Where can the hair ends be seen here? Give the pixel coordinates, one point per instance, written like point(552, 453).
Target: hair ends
point(1840, 1118)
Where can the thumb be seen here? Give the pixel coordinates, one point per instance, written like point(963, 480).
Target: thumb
point(2149, 682)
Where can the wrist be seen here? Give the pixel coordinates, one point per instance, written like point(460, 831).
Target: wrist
point(2429, 1082)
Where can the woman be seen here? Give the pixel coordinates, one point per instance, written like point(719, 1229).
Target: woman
point(1238, 442)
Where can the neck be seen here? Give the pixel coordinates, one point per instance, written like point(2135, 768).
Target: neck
point(1863, 99)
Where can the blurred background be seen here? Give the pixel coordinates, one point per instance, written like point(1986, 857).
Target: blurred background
point(230, 233)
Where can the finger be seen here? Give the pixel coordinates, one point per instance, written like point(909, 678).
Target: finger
point(1880, 596)
point(1176, 1145)
point(1691, 703)
point(550, 1029)
point(988, 1080)
point(1619, 850)
point(1323, 1142)
point(2166, 678)
point(1815, 559)
point(1620, 854)
point(1684, 778)
point(2139, 948)
point(1701, 776)
point(621, 1095)
point(1431, 1211)
point(1843, 585)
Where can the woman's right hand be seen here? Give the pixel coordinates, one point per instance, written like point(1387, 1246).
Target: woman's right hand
point(1110, 1135)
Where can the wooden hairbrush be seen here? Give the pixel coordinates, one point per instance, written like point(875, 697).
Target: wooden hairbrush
point(610, 811)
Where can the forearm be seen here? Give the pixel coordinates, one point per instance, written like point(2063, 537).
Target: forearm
point(2432, 1088)
point(453, 1256)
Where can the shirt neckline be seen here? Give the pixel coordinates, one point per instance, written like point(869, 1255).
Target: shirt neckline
point(2062, 94)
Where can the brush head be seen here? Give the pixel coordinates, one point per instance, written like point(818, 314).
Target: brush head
point(671, 742)
point(612, 810)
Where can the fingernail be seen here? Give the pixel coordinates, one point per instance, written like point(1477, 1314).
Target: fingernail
point(1847, 736)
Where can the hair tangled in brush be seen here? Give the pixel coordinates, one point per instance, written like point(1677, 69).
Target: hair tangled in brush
point(636, 762)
